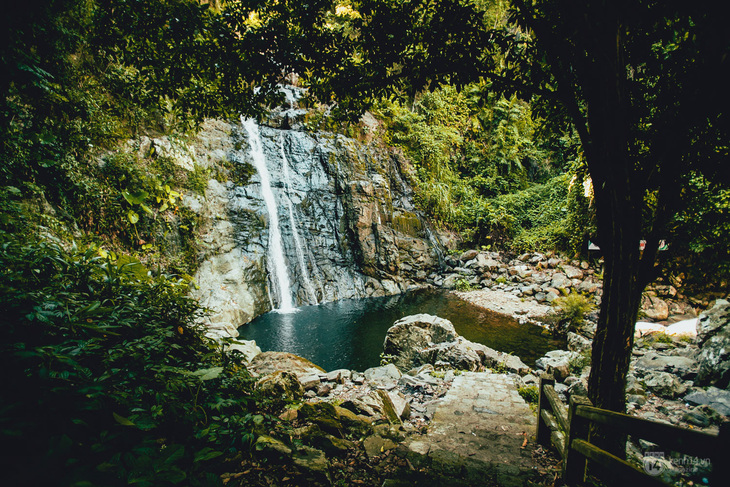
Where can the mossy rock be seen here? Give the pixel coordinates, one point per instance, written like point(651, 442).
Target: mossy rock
point(313, 436)
point(354, 423)
point(323, 414)
point(281, 385)
point(271, 446)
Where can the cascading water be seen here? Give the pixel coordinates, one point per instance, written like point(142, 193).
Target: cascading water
point(307, 282)
point(276, 259)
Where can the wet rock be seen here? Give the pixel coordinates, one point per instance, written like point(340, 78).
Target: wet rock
point(713, 336)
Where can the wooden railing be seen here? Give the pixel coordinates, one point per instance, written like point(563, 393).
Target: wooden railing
point(566, 429)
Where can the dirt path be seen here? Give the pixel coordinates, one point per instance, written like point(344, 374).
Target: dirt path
point(482, 432)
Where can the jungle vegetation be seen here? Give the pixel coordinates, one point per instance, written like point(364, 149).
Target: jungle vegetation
point(504, 110)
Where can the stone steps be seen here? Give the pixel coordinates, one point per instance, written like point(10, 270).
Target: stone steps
point(477, 433)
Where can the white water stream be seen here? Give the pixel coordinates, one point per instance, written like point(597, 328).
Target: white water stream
point(311, 295)
point(276, 259)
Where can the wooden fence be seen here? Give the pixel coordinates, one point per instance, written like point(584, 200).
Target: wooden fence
point(567, 429)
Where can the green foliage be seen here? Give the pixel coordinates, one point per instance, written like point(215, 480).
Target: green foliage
point(108, 377)
point(579, 362)
point(570, 310)
point(699, 231)
point(468, 148)
point(462, 284)
point(530, 394)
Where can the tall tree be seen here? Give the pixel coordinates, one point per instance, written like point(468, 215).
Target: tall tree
point(642, 82)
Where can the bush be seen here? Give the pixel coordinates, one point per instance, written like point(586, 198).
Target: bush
point(109, 379)
point(530, 394)
point(569, 312)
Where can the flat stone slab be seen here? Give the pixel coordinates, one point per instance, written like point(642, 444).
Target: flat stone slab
point(478, 432)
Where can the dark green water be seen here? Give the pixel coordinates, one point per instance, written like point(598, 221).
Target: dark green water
point(349, 334)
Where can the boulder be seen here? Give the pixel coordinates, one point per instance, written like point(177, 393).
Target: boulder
point(413, 333)
point(281, 385)
point(684, 367)
point(356, 424)
point(323, 414)
point(385, 376)
point(389, 410)
point(400, 404)
point(717, 399)
point(578, 343)
point(248, 348)
point(572, 272)
point(713, 336)
point(560, 281)
point(468, 255)
point(269, 362)
point(655, 308)
point(556, 362)
point(458, 354)
point(376, 445)
point(271, 446)
point(311, 459)
point(664, 384)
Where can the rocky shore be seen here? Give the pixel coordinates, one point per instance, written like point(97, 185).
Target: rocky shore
point(679, 373)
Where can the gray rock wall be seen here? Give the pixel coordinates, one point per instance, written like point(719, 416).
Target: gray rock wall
point(359, 234)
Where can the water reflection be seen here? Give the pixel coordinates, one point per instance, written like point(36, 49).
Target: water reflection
point(350, 333)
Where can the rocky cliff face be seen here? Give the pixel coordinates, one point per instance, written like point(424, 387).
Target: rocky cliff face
point(348, 225)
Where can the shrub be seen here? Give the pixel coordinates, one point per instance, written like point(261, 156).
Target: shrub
point(530, 394)
point(579, 362)
point(570, 311)
point(135, 392)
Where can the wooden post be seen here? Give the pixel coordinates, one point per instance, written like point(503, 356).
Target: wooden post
point(543, 431)
point(574, 466)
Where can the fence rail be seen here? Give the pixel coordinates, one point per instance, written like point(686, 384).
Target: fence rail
point(567, 430)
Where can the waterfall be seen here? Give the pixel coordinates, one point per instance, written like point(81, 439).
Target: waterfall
point(295, 232)
point(276, 259)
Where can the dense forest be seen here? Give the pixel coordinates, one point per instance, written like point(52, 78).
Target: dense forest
point(498, 108)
